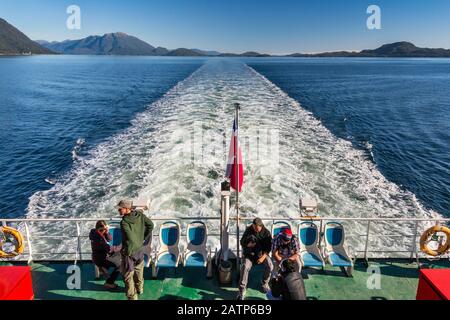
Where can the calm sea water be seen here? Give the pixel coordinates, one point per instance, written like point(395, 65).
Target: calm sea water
point(396, 109)
point(54, 109)
point(78, 133)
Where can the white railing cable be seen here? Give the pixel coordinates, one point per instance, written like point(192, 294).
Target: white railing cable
point(366, 246)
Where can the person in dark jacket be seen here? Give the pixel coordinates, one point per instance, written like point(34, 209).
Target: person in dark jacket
point(136, 232)
point(102, 252)
point(289, 284)
point(256, 245)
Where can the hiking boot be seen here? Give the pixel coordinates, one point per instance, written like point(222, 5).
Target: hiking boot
point(139, 290)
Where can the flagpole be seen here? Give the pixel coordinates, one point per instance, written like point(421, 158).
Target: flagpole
point(236, 152)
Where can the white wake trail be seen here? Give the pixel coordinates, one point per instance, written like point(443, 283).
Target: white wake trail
point(150, 159)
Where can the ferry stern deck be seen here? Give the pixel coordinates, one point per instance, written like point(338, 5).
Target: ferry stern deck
point(398, 281)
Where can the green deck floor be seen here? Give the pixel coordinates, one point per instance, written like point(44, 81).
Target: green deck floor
point(398, 281)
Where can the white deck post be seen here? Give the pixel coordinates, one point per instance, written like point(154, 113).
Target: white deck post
point(414, 241)
point(30, 247)
point(224, 224)
point(366, 246)
point(78, 253)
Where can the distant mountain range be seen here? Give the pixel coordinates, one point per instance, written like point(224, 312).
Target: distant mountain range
point(245, 54)
point(12, 41)
point(118, 43)
point(109, 44)
point(207, 53)
point(123, 44)
point(397, 49)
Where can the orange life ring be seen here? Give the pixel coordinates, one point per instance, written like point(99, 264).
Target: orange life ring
point(19, 242)
point(424, 239)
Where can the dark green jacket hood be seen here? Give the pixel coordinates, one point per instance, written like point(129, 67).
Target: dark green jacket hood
point(133, 217)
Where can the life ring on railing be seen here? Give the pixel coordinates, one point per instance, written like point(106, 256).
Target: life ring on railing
point(18, 239)
point(424, 239)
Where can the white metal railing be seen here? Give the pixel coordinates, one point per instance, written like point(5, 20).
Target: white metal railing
point(364, 223)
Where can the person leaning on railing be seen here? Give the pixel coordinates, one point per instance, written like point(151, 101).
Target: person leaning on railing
point(102, 253)
point(136, 232)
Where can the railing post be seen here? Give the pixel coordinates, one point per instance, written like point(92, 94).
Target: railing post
point(414, 246)
point(224, 225)
point(320, 232)
point(238, 265)
point(366, 247)
point(30, 247)
point(79, 254)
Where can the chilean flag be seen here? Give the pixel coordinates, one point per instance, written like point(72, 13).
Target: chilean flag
point(233, 164)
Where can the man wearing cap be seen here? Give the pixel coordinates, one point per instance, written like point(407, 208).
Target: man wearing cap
point(256, 243)
point(136, 231)
point(286, 246)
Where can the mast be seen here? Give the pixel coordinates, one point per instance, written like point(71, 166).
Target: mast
point(236, 162)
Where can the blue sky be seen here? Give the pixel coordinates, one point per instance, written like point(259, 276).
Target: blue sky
point(279, 26)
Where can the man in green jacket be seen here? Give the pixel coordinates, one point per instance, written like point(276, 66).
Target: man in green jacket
point(136, 232)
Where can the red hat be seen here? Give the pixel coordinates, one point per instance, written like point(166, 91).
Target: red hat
point(286, 233)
